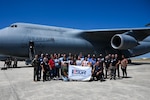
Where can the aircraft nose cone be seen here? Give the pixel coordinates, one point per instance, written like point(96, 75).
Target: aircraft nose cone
point(12, 42)
point(3, 38)
point(5, 41)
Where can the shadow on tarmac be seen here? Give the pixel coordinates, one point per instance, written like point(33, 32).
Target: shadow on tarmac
point(22, 67)
point(140, 63)
point(5, 68)
point(127, 77)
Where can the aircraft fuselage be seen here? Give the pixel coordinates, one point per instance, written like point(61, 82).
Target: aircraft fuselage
point(16, 40)
point(46, 40)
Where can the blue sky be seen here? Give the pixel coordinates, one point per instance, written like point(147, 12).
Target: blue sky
point(80, 14)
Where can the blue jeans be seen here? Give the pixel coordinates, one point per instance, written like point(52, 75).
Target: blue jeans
point(53, 72)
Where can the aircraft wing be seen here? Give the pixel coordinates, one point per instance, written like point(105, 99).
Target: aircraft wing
point(105, 35)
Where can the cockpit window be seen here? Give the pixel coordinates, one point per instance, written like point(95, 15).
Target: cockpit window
point(13, 26)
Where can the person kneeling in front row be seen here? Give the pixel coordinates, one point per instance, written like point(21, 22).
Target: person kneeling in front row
point(97, 72)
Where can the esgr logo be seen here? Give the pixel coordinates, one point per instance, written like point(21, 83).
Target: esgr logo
point(78, 72)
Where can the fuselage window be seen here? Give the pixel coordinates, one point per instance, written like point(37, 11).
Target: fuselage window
point(13, 26)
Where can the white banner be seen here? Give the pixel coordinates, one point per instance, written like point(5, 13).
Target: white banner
point(79, 73)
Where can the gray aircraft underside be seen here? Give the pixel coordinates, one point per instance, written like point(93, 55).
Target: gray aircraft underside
point(15, 39)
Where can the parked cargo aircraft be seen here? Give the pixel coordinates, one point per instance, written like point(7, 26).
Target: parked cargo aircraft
point(24, 40)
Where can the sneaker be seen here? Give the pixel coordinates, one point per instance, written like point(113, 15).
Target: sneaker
point(54, 78)
point(65, 79)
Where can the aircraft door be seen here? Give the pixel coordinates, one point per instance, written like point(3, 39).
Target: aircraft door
point(31, 50)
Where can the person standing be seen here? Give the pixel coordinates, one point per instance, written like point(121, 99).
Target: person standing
point(117, 65)
point(57, 65)
point(93, 60)
point(113, 67)
point(45, 67)
point(64, 66)
point(124, 63)
point(89, 57)
point(39, 67)
point(78, 61)
point(107, 62)
point(15, 63)
point(52, 67)
point(35, 63)
point(85, 62)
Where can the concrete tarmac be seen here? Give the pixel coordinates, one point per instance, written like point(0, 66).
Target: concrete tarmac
point(18, 84)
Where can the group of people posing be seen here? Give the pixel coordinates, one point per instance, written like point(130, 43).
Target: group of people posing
point(55, 66)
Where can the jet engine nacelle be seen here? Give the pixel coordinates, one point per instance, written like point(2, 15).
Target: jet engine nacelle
point(122, 41)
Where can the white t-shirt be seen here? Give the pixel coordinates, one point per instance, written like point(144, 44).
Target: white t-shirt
point(78, 62)
point(85, 63)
